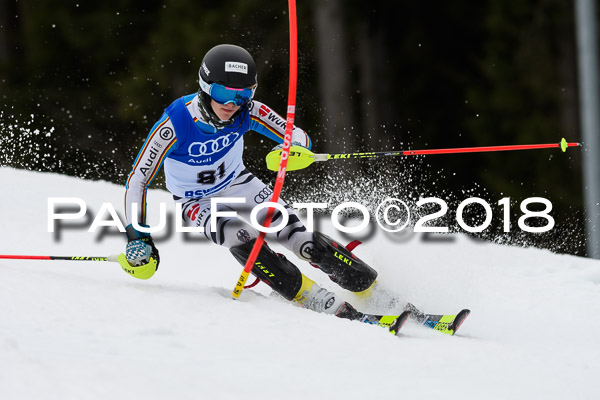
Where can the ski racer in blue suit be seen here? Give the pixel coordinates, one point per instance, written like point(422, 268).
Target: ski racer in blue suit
point(199, 140)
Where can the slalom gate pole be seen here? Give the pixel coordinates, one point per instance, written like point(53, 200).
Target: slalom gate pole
point(287, 140)
point(112, 258)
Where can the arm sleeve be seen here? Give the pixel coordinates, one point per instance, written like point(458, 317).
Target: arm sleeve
point(267, 122)
point(160, 142)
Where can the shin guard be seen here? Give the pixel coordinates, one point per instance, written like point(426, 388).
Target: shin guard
point(343, 267)
point(275, 270)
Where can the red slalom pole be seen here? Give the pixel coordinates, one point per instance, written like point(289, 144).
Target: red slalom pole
point(287, 140)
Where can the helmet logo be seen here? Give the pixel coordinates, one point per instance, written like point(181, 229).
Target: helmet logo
point(205, 68)
point(233, 66)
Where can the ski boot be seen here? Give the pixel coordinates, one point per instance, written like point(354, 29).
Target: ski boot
point(287, 280)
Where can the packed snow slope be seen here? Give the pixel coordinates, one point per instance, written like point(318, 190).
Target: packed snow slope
point(87, 330)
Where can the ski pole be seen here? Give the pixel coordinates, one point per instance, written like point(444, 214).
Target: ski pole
point(283, 159)
point(300, 157)
point(141, 272)
point(113, 258)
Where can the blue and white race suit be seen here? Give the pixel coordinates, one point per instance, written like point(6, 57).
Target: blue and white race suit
point(201, 162)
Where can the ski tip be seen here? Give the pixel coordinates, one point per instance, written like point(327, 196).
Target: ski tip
point(459, 319)
point(399, 322)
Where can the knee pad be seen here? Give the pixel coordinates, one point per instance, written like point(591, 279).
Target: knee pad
point(273, 269)
point(343, 267)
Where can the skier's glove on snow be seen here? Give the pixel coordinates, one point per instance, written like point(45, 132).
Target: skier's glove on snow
point(140, 247)
point(280, 146)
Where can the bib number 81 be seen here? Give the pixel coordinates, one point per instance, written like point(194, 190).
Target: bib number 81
point(209, 177)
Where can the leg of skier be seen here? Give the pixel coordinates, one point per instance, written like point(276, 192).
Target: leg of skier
point(343, 267)
point(272, 268)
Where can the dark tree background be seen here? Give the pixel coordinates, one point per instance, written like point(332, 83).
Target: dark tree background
point(81, 83)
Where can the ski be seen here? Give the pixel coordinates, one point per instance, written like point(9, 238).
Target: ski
point(447, 324)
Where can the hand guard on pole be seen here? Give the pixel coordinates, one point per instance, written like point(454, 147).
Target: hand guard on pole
point(141, 257)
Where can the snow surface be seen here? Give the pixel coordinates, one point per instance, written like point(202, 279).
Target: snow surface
point(87, 330)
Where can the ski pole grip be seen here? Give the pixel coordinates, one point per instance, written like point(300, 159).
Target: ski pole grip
point(113, 258)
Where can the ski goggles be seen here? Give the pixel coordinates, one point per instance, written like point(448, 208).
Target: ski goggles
point(225, 95)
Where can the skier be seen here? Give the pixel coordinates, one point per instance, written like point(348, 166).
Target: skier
point(200, 139)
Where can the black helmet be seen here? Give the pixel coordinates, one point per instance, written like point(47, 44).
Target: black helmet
point(225, 66)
